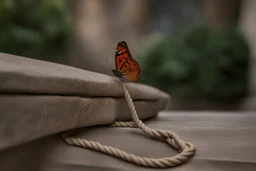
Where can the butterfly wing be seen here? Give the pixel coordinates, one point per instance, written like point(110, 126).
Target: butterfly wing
point(131, 70)
point(122, 54)
point(128, 67)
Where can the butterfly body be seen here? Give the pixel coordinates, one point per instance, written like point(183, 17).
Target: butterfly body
point(117, 73)
point(127, 67)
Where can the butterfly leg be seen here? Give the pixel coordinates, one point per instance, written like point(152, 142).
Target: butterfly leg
point(124, 80)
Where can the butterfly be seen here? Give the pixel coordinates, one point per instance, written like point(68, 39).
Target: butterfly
point(127, 68)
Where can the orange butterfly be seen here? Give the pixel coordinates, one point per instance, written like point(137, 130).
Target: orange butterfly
point(126, 67)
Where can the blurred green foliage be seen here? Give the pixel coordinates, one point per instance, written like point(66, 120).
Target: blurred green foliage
point(198, 62)
point(34, 28)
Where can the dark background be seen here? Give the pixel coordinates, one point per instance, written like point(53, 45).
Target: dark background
point(199, 51)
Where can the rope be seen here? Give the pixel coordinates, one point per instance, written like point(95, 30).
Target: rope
point(186, 150)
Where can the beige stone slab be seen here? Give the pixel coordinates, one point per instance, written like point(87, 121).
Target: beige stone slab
point(41, 98)
point(29, 76)
point(24, 118)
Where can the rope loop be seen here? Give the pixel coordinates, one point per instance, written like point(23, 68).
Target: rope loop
point(186, 150)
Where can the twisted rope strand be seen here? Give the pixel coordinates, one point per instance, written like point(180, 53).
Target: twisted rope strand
point(186, 149)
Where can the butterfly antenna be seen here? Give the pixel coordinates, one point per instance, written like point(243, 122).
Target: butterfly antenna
point(108, 62)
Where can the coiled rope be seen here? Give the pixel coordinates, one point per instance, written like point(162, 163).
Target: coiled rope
point(186, 150)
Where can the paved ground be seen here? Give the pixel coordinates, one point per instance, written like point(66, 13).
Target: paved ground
point(224, 141)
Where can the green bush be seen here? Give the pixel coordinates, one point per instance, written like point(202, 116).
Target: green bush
point(37, 29)
point(198, 63)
